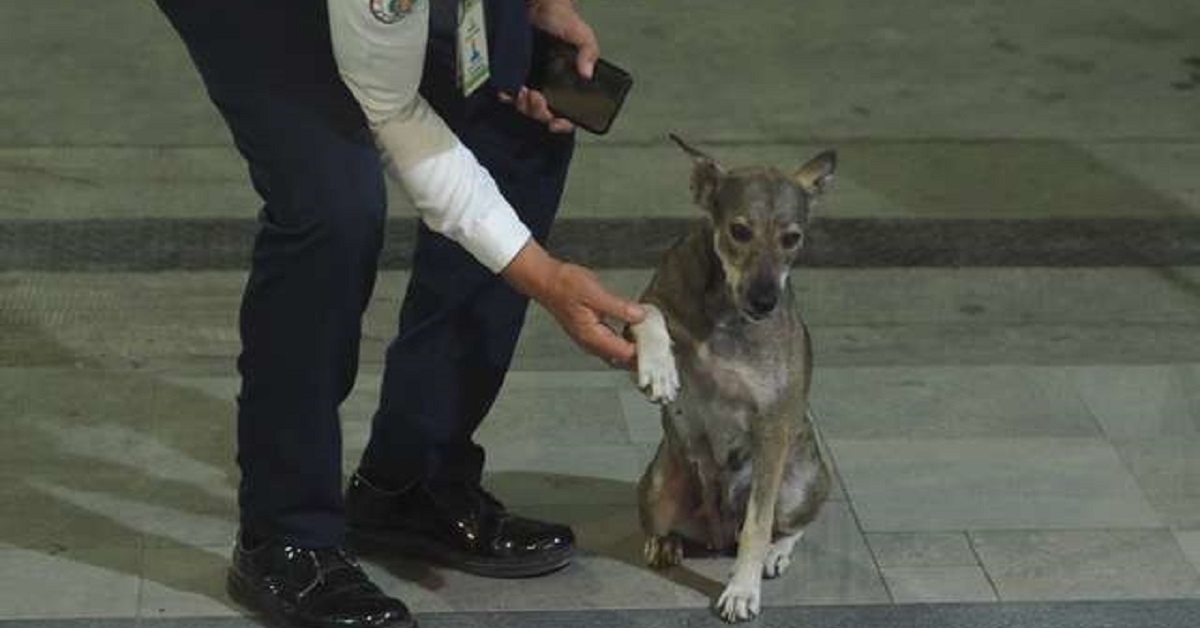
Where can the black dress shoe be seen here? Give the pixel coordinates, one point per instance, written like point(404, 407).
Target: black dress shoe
point(306, 588)
point(465, 528)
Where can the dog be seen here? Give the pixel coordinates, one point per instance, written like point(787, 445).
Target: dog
point(726, 353)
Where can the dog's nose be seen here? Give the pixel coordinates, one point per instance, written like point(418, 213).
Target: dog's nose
point(762, 302)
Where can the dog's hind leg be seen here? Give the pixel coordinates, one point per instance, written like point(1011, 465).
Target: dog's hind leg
point(665, 499)
point(779, 554)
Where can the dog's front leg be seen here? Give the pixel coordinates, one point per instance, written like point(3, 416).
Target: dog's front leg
point(741, 599)
point(657, 375)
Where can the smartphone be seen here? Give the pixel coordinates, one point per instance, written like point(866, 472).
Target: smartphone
point(592, 104)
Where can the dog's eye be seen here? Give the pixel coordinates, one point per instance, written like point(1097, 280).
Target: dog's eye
point(740, 232)
point(791, 240)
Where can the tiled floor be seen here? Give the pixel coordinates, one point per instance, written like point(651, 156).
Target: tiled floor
point(1008, 480)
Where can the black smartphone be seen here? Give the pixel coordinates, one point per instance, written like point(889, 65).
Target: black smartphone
point(592, 104)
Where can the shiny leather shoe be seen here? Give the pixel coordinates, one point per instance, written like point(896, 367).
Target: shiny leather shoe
point(466, 529)
point(323, 588)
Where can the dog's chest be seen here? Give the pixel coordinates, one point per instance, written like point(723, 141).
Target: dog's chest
point(738, 371)
point(725, 387)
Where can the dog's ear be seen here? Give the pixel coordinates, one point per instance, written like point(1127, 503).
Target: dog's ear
point(706, 174)
point(817, 174)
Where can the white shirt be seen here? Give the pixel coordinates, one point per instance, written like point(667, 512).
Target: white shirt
point(380, 54)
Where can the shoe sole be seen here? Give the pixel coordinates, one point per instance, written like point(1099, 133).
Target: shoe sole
point(273, 613)
point(390, 543)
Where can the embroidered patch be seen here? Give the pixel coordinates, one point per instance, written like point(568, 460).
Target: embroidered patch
point(391, 11)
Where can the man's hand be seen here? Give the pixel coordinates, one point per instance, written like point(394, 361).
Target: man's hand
point(559, 18)
point(577, 300)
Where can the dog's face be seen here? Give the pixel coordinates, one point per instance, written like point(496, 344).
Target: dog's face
point(759, 218)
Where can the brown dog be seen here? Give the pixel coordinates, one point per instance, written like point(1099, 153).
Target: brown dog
point(725, 351)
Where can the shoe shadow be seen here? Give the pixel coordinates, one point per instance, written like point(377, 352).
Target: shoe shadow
point(602, 512)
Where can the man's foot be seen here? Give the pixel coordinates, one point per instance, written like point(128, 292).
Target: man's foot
point(323, 588)
point(466, 529)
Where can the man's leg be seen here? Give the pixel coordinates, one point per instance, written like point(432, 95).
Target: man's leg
point(458, 328)
point(268, 68)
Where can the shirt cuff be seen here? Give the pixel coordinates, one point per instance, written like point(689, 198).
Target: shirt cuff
point(496, 238)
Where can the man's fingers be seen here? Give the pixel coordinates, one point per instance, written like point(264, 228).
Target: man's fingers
point(608, 304)
point(585, 61)
point(602, 342)
point(539, 106)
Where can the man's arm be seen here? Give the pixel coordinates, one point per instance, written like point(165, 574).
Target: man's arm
point(381, 63)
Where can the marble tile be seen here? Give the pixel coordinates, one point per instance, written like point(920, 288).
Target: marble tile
point(938, 485)
point(996, 296)
point(74, 583)
point(643, 419)
point(185, 582)
point(949, 402)
point(623, 463)
point(1086, 564)
point(160, 515)
point(831, 565)
point(913, 585)
point(555, 417)
point(1142, 402)
point(612, 378)
point(38, 516)
point(922, 549)
point(1189, 540)
point(536, 488)
point(1168, 472)
point(589, 582)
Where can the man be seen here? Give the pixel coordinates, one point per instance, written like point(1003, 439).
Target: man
point(310, 143)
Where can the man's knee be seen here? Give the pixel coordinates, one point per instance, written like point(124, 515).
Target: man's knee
point(336, 200)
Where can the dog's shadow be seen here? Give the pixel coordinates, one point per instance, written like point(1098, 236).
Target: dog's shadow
point(602, 512)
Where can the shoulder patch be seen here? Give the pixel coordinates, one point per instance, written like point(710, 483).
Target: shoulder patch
point(391, 11)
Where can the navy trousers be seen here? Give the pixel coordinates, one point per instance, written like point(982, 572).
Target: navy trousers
point(268, 67)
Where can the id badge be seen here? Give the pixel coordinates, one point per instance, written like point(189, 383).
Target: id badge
point(472, 46)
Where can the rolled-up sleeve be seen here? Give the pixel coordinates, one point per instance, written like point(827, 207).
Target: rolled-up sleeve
point(380, 58)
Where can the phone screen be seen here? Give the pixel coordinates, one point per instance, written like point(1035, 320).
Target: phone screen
point(592, 104)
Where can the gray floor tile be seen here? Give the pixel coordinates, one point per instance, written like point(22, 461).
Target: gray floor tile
point(1086, 564)
point(831, 565)
point(1157, 613)
point(997, 296)
point(948, 402)
point(83, 583)
point(555, 416)
point(604, 462)
point(540, 380)
point(912, 585)
point(1189, 540)
point(40, 514)
point(185, 582)
point(1039, 344)
point(922, 549)
point(1168, 472)
point(643, 419)
point(160, 515)
point(1142, 402)
point(589, 582)
point(937, 485)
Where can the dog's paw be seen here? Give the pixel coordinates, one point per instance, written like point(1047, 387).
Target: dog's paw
point(739, 602)
point(663, 551)
point(657, 375)
point(779, 555)
point(776, 562)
